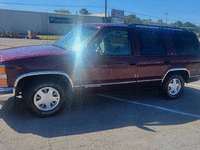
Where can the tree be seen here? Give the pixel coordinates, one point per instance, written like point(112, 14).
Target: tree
point(150, 20)
point(177, 24)
point(188, 24)
point(62, 11)
point(84, 11)
point(132, 19)
point(159, 22)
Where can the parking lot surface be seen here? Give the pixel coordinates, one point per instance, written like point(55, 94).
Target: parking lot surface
point(17, 42)
point(128, 120)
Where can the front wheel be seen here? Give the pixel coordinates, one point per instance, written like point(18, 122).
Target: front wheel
point(45, 99)
point(173, 86)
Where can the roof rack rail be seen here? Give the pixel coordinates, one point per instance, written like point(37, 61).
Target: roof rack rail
point(157, 27)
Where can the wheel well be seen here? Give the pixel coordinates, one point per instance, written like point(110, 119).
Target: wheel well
point(25, 82)
point(183, 73)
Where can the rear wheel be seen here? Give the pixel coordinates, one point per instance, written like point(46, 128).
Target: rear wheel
point(45, 99)
point(173, 86)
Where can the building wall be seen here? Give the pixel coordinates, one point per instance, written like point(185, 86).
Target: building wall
point(22, 21)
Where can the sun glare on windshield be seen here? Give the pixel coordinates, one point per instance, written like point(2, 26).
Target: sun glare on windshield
point(77, 47)
point(74, 42)
point(76, 39)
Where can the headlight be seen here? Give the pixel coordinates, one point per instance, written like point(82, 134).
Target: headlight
point(3, 76)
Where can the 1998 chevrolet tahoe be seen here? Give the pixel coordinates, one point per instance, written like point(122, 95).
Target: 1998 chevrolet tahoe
point(97, 58)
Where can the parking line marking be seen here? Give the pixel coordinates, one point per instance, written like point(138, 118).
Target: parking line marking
point(152, 106)
point(194, 85)
point(4, 95)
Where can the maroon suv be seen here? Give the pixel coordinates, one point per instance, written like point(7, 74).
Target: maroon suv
point(96, 58)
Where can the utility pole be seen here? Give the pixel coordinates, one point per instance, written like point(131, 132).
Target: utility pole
point(105, 11)
point(76, 17)
point(166, 17)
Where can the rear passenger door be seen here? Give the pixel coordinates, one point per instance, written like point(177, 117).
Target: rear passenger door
point(153, 58)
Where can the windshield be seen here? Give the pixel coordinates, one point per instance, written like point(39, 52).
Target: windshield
point(77, 38)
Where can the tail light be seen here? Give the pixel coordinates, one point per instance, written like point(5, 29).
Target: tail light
point(3, 76)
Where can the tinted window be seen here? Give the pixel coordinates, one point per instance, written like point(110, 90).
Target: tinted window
point(151, 43)
point(186, 43)
point(114, 42)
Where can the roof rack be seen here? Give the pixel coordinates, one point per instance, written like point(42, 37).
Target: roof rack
point(157, 27)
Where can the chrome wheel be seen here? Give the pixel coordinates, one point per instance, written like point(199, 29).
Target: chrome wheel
point(46, 98)
point(174, 86)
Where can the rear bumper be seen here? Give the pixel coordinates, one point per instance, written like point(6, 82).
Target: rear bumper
point(10, 92)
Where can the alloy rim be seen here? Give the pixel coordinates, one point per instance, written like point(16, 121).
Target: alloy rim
point(174, 86)
point(46, 98)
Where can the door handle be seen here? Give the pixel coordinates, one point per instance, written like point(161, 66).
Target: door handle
point(132, 63)
point(167, 61)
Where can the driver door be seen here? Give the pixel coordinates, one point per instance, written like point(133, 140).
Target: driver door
point(110, 60)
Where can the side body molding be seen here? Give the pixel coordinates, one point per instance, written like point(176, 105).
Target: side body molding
point(43, 73)
point(176, 69)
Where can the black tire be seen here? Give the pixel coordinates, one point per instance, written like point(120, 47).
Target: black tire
point(172, 86)
point(51, 95)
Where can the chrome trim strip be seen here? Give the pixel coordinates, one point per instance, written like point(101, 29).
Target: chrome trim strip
point(7, 89)
point(196, 76)
point(99, 85)
point(149, 80)
point(10, 90)
point(175, 69)
point(3, 76)
point(42, 73)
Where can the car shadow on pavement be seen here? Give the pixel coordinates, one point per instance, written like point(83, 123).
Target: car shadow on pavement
point(96, 113)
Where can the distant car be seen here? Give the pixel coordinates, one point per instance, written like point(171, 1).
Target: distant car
point(98, 58)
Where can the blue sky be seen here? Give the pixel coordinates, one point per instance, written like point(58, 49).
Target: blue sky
point(183, 10)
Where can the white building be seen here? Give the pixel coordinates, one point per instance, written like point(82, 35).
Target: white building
point(42, 22)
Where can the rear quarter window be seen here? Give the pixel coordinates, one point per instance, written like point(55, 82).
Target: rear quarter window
point(186, 43)
point(151, 43)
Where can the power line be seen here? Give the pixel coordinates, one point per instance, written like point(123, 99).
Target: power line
point(50, 5)
point(142, 14)
point(148, 15)
point(89, 6)
point(86, 6)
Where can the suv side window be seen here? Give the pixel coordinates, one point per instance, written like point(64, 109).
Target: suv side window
point(185, 43)
point(114, 42)
point(151, 43)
